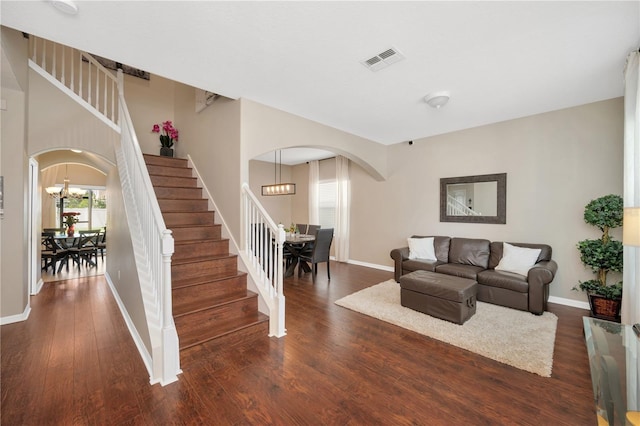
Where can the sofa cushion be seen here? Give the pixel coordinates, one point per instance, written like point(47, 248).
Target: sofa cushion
point(458, 270)
point(421, 248)
point(506, 280)
point(470, 251)
point(517, 259)
point(440, 245)
point(420, 265)
point(496, 252)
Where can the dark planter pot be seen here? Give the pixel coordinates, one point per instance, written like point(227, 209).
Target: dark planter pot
point(607, 309)
point(166, 152)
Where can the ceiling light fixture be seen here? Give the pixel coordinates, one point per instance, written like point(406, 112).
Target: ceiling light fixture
point(278, 188)
point(437, 99)
point(65, 6)
point(66, 192)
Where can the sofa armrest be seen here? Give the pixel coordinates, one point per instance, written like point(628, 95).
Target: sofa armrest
point(540, 275)
point(399, 255)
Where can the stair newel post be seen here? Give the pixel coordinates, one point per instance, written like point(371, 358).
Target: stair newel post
point(276, 322)
point(170, 352)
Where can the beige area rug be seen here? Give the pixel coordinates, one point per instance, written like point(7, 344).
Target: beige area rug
point(513, 337)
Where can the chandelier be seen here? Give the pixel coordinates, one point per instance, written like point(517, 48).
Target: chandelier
point(65, 192)
point(278, 188)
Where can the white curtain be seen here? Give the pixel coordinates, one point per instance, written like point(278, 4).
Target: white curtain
point(631, 273)
point(314, 178)
point(343, 206)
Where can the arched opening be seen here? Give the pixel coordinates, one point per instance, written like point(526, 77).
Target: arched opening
point(69, 188)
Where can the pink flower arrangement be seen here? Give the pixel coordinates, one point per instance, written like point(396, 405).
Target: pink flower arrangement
point(169, 133)
point(70, 218)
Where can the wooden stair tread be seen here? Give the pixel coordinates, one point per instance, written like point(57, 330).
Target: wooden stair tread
point(190, 308)
point(191, 282)
point(197, 259)
point(201, 240)
point(221, 329)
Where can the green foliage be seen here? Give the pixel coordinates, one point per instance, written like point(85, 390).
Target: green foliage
point(603, 255)
point(604, 212)
point(613, 291)
point(598, 255)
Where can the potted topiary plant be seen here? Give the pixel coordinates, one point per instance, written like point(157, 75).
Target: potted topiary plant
point(603, 255)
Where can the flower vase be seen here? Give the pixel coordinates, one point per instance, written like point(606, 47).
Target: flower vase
point(71, 229)
point(166, 152)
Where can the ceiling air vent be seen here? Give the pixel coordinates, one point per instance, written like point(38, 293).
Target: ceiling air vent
point(383, 59)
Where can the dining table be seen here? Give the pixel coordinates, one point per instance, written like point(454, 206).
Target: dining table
point(295, 244)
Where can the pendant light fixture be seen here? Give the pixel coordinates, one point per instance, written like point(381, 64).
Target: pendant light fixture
point(278, 188)
point(66, 192)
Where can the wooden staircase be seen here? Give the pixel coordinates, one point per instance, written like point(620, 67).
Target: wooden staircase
point(210, 297)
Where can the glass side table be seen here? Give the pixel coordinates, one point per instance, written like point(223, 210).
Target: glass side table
point(613, 357)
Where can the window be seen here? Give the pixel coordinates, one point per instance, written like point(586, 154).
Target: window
point(92, 208)
point(327, 203)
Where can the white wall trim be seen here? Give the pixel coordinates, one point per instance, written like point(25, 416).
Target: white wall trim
point(370, 265)
point(144, 354)
point(569, 302)
point(17, 318)
point(38, 286)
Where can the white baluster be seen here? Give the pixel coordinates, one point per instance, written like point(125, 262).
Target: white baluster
point(105, 95)
point(89, 83)
point(72, 72)
point(44, 52)
point(80, 82)
point(97, 88)
point(33, 41)
point(54, 61)
point(63, 60)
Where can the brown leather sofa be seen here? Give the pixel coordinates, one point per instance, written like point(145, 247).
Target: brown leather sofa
point(476, 259)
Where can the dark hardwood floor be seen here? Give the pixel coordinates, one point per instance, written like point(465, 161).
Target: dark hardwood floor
point(74, 362)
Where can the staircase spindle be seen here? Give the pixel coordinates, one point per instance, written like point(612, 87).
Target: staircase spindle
point(89, 83)
point(80, 81)
point(54, 61)
point(105, 94)
point(72, 72)
point(44, 52)
point(63, 61)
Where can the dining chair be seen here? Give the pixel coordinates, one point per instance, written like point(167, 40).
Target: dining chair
point(86, 248)
point(102, 242)
point(302, 228)
point(320, 252)
point(51, 253)
point(311, 229)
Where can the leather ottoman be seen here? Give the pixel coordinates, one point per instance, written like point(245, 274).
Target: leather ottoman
point(442, 296)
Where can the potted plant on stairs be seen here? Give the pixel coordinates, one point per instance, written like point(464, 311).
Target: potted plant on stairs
point(168, 134)
point(602, 256)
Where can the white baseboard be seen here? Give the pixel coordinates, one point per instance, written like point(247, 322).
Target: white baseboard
point(17, 318)
point(569, 302)
point(39, 285)
point(370, 265)
point(144, 354)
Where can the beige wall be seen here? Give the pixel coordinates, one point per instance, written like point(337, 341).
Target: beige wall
point(266, 129)
point(121, 265)
point(555, 163)
point(263, 173)
point(212, 139)
point(14, 286)
point(150, 102)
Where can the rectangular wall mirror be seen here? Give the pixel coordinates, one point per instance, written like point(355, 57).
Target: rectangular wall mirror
point(474, 199)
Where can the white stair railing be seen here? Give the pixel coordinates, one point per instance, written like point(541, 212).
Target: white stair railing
point(262, 242)
point(456, 208)
point(86, 81)
point(79, 75)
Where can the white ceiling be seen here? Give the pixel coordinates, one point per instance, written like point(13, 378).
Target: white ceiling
point(499, 60)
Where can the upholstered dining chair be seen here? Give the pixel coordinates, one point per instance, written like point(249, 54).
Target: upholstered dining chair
point(320, 252)
point(311, 230)
point(302, 227)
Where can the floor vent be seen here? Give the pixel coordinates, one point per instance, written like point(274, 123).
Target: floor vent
point(383, 59)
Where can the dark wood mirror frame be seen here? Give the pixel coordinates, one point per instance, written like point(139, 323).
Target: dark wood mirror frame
point(500, 178)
